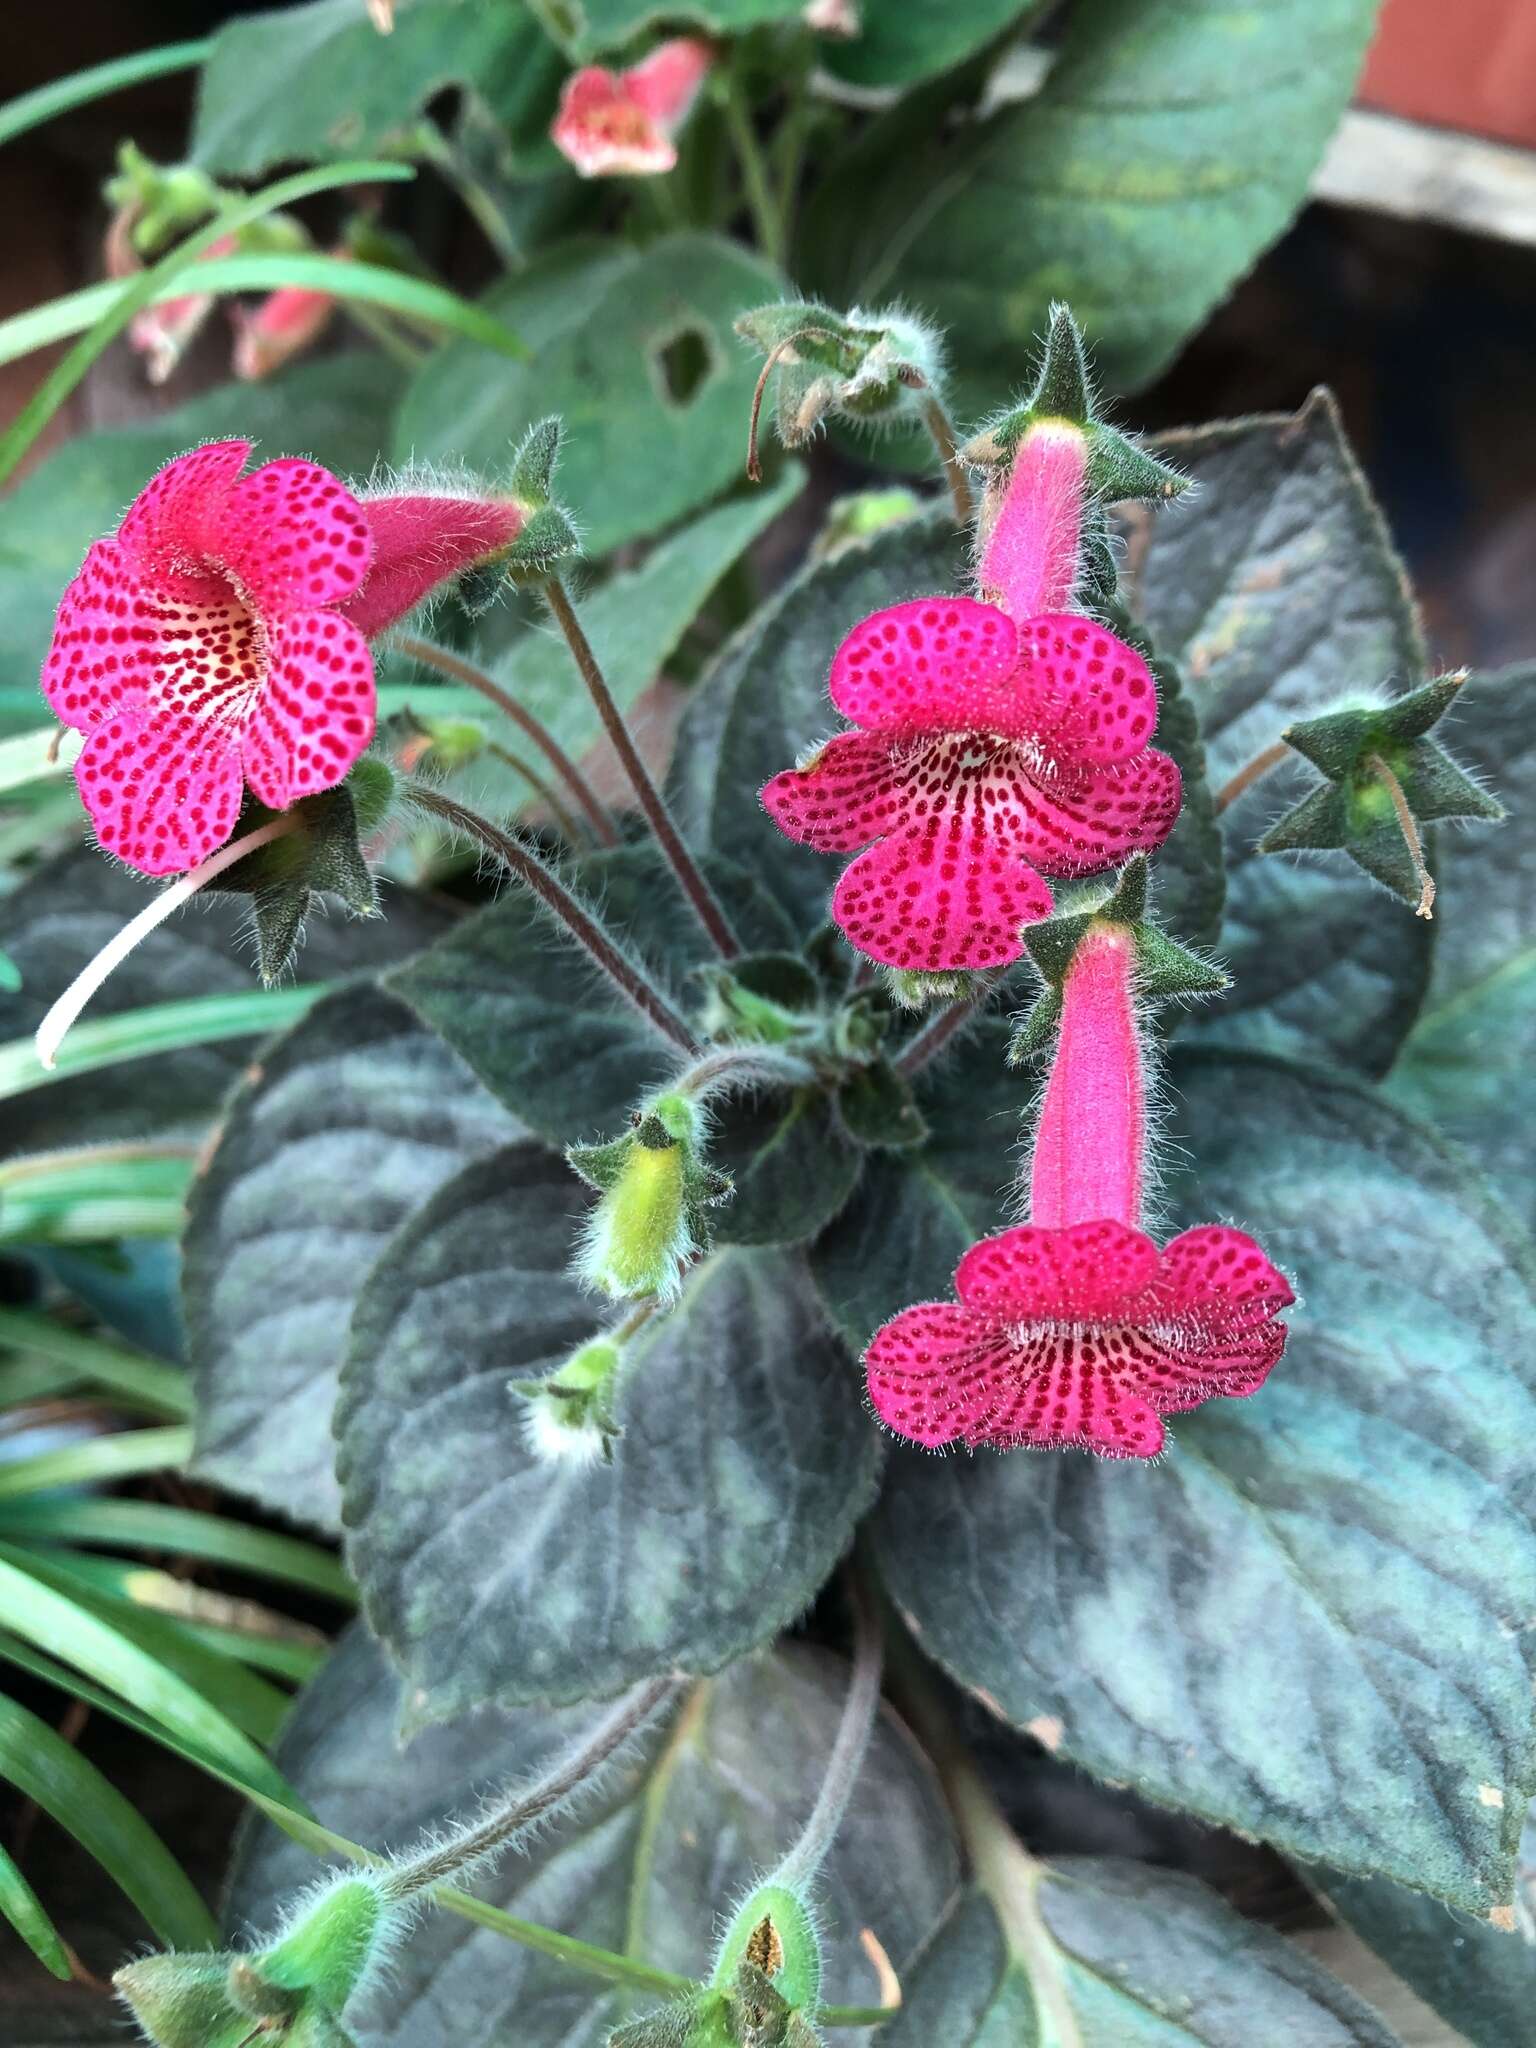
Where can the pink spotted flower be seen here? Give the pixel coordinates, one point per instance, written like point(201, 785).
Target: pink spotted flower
point(1076, 1329)
point(1085, 1335)
point(613, 122)
point(985, 756)
point(219, 640)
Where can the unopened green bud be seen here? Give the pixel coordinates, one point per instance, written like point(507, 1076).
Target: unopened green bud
point(773, 1933)
point(865, 366)
point(656, 1189)
point(570, 1417)
point(327, 1948)
point(183, 2001)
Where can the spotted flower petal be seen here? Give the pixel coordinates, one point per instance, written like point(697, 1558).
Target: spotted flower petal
point(935, 1372)
point(292, 536)
point(315, 714)
point(1095, 819)
point(163, 790)
point(945, 895)
point(1087, 1272)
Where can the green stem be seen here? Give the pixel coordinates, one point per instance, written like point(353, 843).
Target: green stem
point(564, 822)
point(854, 1730)
point(942, 433)
point(566, 909)
point(462, 671)
point(690, 877)
point(767, 215)
point(1250, 773)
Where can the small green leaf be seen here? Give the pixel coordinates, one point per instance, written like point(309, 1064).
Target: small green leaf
point(45, 1768)
point(745, 1458)
point(635, 353)
point(879, 1109)
point(1348, 1553)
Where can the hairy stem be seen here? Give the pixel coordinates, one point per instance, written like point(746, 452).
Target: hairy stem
point(473, 1844)
point(853, 1733)
point(940, 1029)
point(942, 433)
point(542, 789)
point(1409, 827)
point(566, 908)
point(54, 1027)
point(690, 878)
point(1246, 777)
point(461, 671)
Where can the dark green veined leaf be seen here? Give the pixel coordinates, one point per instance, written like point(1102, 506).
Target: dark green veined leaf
point(1347, 1554)
point(1276, 589)
point(319, 81)
point(745, 1459)
point(1169, 145)
point(899, 44)
point(1467, 1062)
point(352, 1122)
point(1119, 1952)
point(330, 410)
point(635, 351)
point(647, 1863)
point(43, 1767)
point(64, 913)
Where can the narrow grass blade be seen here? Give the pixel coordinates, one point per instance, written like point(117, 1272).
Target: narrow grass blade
point(31, 109)
point(138, 1382)
point(182, 1532)
point(158, 1027)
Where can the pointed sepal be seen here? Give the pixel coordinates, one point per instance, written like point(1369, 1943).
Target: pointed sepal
point(1164, 970)
point(547, 535)
point(861, 366)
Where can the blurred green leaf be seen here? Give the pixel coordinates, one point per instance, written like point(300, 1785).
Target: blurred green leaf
point(901, 44)
point(369, 284)
point(1170, 143)
point(94, 1195)
point(31, 109)
point(635, 350)
point(182, 1532)
point(594, 28)
point(43, 1767)
point(137, 1382)
point(745, 1459)
point(305, 83)
point(1347, 1555)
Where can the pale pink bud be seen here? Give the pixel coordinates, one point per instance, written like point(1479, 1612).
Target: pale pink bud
point(624, 122)
point(1032, 525)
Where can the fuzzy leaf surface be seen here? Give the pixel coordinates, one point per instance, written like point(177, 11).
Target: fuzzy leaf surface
point(349, 1124)
point(745, 1460)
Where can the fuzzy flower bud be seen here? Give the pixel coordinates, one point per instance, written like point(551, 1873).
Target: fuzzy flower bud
point(655, 1189)
point(773, 1934)
point(867, 367)
point(286, 324)
point(569, 1417)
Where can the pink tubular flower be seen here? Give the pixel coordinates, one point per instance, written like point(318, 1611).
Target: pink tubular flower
point(986, 756)
point(162, 334)
point(219, 639)
point(1075, 1329)
point(1030, 539)
point(611, 122)
point(1083, 1336)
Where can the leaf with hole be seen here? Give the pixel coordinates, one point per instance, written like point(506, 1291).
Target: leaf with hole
point(745, 1459)
point(1348, 1553)
point(634, 349)
point(1276, 589)
point(350, 1123)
